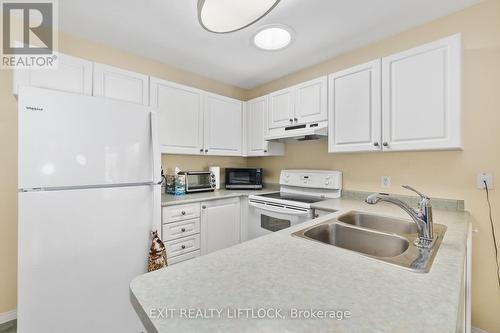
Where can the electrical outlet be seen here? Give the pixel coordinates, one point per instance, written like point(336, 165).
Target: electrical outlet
point(482, 177)
point(385, 181)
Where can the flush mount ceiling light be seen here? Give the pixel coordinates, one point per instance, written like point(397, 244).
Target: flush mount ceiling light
point(223, 16)
point(272, 37)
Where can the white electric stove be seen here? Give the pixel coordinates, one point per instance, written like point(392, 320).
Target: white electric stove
point(292, 204)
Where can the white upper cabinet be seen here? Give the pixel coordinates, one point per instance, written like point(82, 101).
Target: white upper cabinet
point(281, 108)
point(421, 97)
point(180, 117)
point(72, 75)
point(220, 224)
point(354, 120)
point(311, 101)
point(256, 113)
point(121, 84)
point(304, 103)
point(223, 130)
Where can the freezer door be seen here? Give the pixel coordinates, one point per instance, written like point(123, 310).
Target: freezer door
point(78, 252)
point(73, 140)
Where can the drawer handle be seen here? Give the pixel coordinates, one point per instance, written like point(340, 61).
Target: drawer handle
point(183, 229)
point(204, 207)
point(183, 213)
point(183, 247)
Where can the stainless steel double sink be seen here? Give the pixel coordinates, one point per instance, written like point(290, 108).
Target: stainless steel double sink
point(384, 238)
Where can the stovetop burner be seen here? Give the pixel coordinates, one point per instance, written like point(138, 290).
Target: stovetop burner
point(292, 197)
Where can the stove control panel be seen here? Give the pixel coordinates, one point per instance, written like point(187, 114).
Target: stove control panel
point(324, 179)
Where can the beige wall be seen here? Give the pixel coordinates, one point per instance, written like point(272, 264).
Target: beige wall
point(8, 142)
point(442, 174)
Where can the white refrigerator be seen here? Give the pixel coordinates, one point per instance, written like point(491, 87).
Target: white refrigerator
point(89, 170)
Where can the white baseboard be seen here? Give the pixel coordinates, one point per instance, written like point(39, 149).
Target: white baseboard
point(8, 316)
point(477, 330)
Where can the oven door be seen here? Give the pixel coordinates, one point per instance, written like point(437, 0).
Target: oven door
point(265, 218)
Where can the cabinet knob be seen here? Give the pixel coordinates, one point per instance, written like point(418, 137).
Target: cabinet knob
point(183, 213)
point(291, 120)
point(376, 144)
point(201, 150)
point(204, 207)
point(265, 151)
point(385, 144)
point(183, 247)
point(296, 119)
point(206, 150)
point(183, 229)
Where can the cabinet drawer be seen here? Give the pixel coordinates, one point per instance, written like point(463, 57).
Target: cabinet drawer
point(183, 245)
point(181, 212)
point(183, 257)
point(180, 229)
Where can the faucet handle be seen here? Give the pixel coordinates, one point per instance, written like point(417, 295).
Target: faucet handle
point(423, 196)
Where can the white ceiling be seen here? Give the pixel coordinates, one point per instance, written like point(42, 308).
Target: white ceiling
point(168, 31)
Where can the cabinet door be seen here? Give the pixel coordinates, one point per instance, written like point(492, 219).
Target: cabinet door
point(281, 108)
point(354, 121)
point(311, 101)
point(223, 131)
point(256, 126)
point(180, 117)
point(421, 99)
point(72, 75)
point(220, 224)
point(117, 83)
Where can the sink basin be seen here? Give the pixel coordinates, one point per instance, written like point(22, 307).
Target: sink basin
point(379, 237)
point(380, 223)
point(374, 244)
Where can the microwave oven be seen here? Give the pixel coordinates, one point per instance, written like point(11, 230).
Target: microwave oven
point(243, 178)
point(199, 181)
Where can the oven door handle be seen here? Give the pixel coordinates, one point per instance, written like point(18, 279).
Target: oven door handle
point(278, 209)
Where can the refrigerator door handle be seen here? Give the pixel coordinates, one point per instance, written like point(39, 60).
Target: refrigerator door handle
point(155, 148)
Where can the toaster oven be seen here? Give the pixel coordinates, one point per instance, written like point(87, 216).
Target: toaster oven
point(199, 181)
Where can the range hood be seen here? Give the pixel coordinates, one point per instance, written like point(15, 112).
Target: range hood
point(305, 132)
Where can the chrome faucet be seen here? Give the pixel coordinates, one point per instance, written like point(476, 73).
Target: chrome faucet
point(422, 217)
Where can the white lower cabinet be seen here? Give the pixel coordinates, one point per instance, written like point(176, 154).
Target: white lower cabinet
point(181, 232)
point(180, 229)
point(220, 224)
point(182, 245)
point(191, 230)
point(183, 257)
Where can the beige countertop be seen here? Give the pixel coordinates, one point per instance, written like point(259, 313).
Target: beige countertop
point(284, 272)
point(169, 199)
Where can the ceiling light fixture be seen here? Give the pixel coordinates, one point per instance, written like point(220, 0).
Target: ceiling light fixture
point(273, 37)
point(224, 16)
